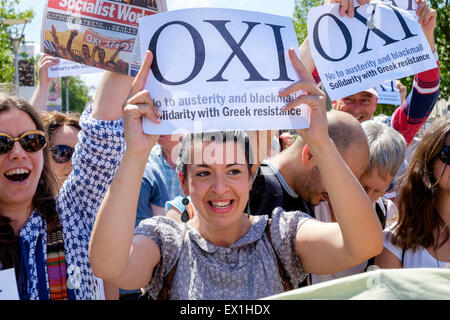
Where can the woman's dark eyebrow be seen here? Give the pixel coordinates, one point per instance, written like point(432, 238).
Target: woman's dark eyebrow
point(201, 165)
point(228, 165)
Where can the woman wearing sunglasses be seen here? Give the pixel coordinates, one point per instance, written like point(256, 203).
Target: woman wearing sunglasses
point(421, 238)
point(43, 237)
point(62, 130)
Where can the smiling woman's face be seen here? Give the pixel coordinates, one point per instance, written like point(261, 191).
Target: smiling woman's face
point(20, 171)
point(219, 184)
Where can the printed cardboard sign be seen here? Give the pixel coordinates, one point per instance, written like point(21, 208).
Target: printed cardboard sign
point(220, 69)
point(382, 42)
point(408, 5)
point(388, 93)
point(66, 68)
point(96, 33)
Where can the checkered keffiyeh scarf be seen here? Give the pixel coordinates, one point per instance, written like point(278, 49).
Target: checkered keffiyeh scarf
point(56, 264)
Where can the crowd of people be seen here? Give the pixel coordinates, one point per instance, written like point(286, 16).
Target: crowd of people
point(91, 207)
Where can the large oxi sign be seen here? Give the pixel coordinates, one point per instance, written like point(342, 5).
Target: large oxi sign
point(381, 42)
point(219, 69)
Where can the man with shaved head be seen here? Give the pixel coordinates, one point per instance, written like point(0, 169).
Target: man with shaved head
point(292, 178)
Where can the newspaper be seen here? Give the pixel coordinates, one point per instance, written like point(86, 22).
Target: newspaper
point(97, 33)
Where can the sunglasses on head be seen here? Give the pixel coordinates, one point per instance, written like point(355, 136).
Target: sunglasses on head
point(30, 141)
point(62, 153)
point(444, 154)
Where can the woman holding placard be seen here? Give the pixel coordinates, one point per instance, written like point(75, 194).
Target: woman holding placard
point(222, 253)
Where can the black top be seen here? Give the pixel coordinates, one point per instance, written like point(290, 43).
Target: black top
point(268, 193)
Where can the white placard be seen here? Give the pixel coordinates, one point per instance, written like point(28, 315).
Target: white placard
point(8, 285)
point(408, 5)
point(388, 93)
point(66, 68)
point(220, 69)
point(381, 42)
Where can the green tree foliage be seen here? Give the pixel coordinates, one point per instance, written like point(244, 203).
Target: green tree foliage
point(9, 10)
point(442, 39)
point(78, 94)
point(300, 16)
point(387, 109)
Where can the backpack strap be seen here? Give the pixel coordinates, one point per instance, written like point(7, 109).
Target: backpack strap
point(382, 217)
point(164, 294)
point(284, 277)
point(381, 213)
point(403, 256)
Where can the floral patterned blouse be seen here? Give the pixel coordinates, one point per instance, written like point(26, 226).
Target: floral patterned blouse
point(247, 269)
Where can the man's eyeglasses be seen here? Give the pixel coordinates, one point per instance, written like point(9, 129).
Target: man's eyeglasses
point(444, 154)
point(30, 141)
point(62, 153)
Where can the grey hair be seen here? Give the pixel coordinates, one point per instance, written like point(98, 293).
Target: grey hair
point(387, 147)
point(187, 141)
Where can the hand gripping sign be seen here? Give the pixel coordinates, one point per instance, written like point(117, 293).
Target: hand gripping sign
point(220, 69)
point(381, 42)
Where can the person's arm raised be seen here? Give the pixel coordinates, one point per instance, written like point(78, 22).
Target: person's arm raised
point(40, 94)
point(427, 20)
point(114, 253)
point(111, 94)
point(330, 247)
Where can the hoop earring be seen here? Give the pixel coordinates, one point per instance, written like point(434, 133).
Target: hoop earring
point(185, 214)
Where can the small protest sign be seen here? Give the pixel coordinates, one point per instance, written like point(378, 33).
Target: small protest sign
point(381, 42)
point(388, 93)
point(220, 69)
point(97, 33)
point(67, 68)
point(8, 285)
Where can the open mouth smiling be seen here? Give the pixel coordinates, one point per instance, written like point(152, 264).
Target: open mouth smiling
point(17, 175)
point(221, 205)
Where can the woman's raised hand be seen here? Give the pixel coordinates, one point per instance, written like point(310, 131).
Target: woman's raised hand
point(140, 104)
point(313, 97)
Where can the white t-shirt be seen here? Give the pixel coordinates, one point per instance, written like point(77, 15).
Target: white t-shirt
point(420, 258)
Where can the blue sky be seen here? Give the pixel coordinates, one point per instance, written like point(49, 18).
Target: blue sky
point(279, 7)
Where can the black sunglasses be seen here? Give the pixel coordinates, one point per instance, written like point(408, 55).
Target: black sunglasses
point(62, 153)
point(30, 141)
point(444, 154)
